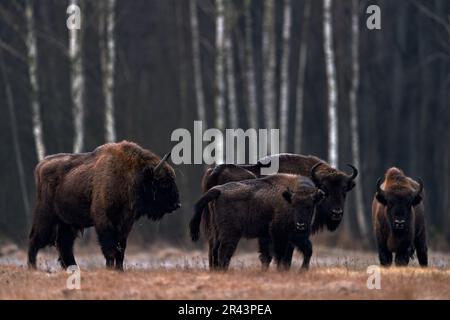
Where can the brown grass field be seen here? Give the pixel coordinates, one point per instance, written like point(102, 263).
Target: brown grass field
point(175, 274)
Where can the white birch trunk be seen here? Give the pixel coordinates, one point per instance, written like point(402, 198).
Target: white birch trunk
point(301, 77)
point(250, 74)
point(354, 118)
point(331, 83)
point(284, 92)
point(231, 83)
point(32, 71)
point(220, 81)
point(16, 143)
point(269, 63)
point(198, 80)
point(77, 85)
point(107, 59)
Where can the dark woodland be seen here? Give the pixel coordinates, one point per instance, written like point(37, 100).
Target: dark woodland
point(403, 102)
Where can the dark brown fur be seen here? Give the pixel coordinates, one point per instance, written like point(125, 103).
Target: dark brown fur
point(336, 183)
point(270, 209)
point(108, 188)
point(399, 220)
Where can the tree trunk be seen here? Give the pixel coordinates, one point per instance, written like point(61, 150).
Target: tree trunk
point(301, 77)
point(107, 60)
point(269, 63)
point(220, 82)
point(250, 74)
point(354, 122)
point(284, 92)
point(77, 85)
point(16, 142)
point(198, 80)
point(32, 71)
point(231, 83)
point(331, 83)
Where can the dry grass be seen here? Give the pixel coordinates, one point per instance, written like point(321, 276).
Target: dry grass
point(174, 274)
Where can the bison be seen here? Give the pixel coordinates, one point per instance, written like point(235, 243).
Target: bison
point(334, 182)
point(108, 188)
point(399, 220)
point(277, 209)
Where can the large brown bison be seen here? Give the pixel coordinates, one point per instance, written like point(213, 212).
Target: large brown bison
point(278, 208)
point(398, 219)
point(108, 188)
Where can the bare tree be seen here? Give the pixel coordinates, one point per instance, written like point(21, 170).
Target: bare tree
point(77, 84)
point(231, 83)
point(198, 80)
point(16, 141)
point(34, 84)
point(354, 122)
point(269, 63)
point(331, 83)
point(301, 76)
point(107, 60)
point(250, 72)
point(284, 92)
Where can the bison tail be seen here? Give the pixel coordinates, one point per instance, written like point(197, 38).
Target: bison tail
point(194, 224)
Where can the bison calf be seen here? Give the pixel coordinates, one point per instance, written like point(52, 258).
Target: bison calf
point(399, 220)
point(278, 209)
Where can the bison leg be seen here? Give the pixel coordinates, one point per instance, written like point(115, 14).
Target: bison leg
point(64, 243)
point(402, 258)
point(286, 261)
point(280, 246)
point(307, 250)
point(420, 243)
point(120, 253)
point(226, 251)
point(41, 235)
point(108, 243)
point(384, 255)
point(264, 252)
point(213, 253)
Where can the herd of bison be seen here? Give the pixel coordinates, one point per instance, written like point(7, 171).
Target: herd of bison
point(117, 183)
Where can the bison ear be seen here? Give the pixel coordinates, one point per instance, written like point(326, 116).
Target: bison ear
point(417, 199)
point(380, 197)
point(148, 173)
point(351, 184)
point(287, 195)
point(319, 196)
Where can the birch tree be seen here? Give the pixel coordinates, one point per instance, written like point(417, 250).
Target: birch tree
point(77, 81)
point(107, 60)
point(34, 84)
point(269, 63)
point(284, 90)
point(331, 84)
point(354, 117)
point(250, 72)
point(301, 77)
point(196, 62)
point(219, 68)
point(230, 67)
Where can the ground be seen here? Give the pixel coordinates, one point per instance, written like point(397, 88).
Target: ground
point(181, 274)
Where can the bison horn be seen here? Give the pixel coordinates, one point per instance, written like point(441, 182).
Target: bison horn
point(379, 182)
point(314, 178)
point(419, 191)
point(166, 156)
point(354, 173)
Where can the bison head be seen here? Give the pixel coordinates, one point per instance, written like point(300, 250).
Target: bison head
point(399, 202)
point(157, 191)
point(335, 184)
point(303, 203)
